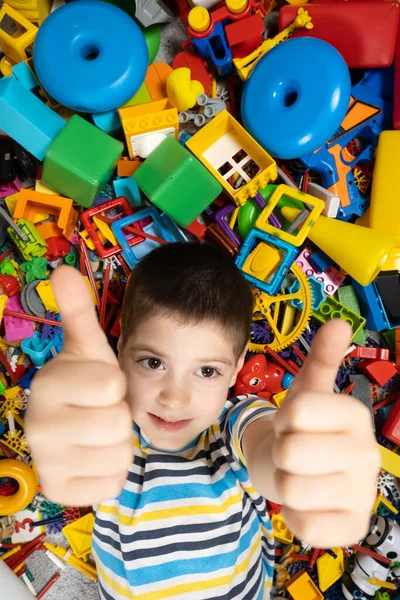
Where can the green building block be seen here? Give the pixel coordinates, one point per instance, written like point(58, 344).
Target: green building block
point(348, 297)
point(80, 161)
point(176, 182)
point(332, 309)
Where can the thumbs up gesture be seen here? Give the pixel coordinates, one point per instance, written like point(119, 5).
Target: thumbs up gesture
point(325, 453)
point(78, 425)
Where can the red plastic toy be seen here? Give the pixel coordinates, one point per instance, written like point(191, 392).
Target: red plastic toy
point(260, 377)
point(364, 32)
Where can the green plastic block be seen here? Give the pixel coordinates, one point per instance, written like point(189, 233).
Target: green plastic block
point(80, 161)
point(176, 182)
point(332, 309)
point(348, 297)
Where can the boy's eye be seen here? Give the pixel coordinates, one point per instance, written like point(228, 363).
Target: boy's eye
point(207, 372)
point(151, 363)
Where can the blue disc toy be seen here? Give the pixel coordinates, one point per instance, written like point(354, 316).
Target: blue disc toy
point(296, 97)
point(90, 56)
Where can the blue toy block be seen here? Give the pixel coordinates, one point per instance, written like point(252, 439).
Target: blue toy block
point(215, 47)
point(109, 121)
point(320, 261)
point(372, 308)
point(127, 251)
point(292, 102)
point(127, 186)
point(26, 381)
point(177, 233)
point(24, 75)
point(37, 349)
point(90, 56)
point(27, 119)
point(290, 252)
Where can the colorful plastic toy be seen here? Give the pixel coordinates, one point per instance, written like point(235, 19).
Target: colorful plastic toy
point(163, 179)
point(90, 56)
point(287, 102)
point(182, 90)
point(16, 46)
point(80, 143)
point(27, 119)
point(35, 11)
point(27, 482)
point(233, 157)
point(332, 309)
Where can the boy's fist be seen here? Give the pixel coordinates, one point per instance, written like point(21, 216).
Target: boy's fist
point(78, 425)
point(325, 453)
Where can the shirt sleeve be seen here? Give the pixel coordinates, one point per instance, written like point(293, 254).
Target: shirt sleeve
point(244, 411)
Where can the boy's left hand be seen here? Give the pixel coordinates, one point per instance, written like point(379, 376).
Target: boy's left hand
point(325, 454)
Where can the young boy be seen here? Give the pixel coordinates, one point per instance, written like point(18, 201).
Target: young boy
point(191, 521)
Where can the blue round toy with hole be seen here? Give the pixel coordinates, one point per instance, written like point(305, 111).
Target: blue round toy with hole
point(296, 97)
point(90, 56)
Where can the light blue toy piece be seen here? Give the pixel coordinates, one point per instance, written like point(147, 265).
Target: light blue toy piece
point(127, 251)
point(24, 75)
point(177, 233)
point(109, 121)
point(215, 47)
point(90, 56)
point(27, 119)
point(37, 349)
point(317, 289)
point(127, 186)
point(287, 380)
point(296, 97)
point(252, 239)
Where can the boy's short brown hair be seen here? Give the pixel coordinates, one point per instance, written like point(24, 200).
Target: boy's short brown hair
point(192, 282)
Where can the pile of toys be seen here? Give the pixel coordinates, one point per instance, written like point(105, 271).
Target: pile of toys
point(275, 138)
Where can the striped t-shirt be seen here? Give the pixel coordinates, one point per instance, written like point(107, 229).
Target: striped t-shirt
point(188, 525)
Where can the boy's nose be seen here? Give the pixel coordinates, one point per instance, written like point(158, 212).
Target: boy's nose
point(174, 397)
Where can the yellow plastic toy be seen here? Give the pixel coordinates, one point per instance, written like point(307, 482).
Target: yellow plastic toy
point(181, 90)
point(281, 531)
point(330, 569)
point(384, 212)
point(34, 10)
point(199, 19)
point(359, 251)
point(46, 294)
point(72, 560)
point(382, 500)
point(235, 159)
point(246, 64)
point(284, 191)
point(27, 482)
point(79, 535)
point(139, 121)
point(302, 587)
point(390, 461)
point(17, 46)
point(262, 262)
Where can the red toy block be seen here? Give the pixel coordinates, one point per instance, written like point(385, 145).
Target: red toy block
point(197, 66)
point(197, 229)
point(391, 428)
point(370, 353)
point(245, 36)
point(378, 371)
point(396, 90)
point(363, 32)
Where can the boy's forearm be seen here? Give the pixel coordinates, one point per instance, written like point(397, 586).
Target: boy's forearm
point(262, 469)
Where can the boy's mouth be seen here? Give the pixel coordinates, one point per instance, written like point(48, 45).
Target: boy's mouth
point(168, 425)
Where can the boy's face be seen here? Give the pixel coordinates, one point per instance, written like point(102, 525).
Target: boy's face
point(177, 372)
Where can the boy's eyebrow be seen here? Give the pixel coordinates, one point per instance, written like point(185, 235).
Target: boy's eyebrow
point(220, 359)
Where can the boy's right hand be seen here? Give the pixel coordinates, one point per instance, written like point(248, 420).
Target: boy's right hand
point(78, 425)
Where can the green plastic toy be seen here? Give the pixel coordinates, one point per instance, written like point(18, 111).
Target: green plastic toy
point(176, 182)
point(80, 161)
point(247, 217)
point(7, 268)
point(152, 35)
point(34, 269)
point(332, 309)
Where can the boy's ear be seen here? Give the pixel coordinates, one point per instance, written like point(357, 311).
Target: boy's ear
point(238, 367)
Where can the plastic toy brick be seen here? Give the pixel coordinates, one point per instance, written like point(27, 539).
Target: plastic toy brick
point(164, 177)
point(141, 97)
point(15, 46)
point(372, 307)
point(16, 328)
point(233, 157)
point(27, 119)
point(160, 116)
point(378, 371)
point(320, 261)
point(281, 191)
point(260, 259)
point(128, 188)
point(80, 143)
point(330, 569)
point(118, 226)
point(109, 121)
point(34, 245)
point(302, 587)
point(345, 29)
point(384, 213)
point(33, 10)
point(37, 349)
point(182, 89)
point(391, 427)
point(88, 215)
point(370, 353)
point(150, 12)
point(390, 461)
point(156, 80)
point(24, 75)
point(331, 278)
point(331, 201)
point(79, 535)
point(214, 47)
point(332, 309)
point(126, 167)
point(30, 202)
point(46, 294)
point(281, 532)
point(197, 66)
point(245, 35)
point(348, 297)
